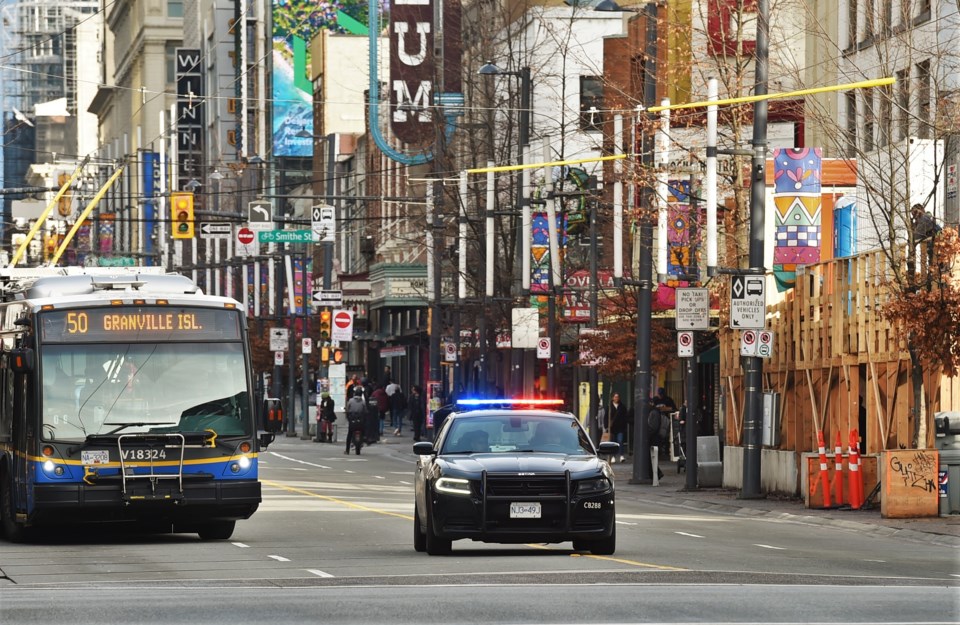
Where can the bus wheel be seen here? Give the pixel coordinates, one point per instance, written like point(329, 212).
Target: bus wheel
point(15, 532)
point(217, 530)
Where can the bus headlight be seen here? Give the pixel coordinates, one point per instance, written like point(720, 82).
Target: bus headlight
point(244, 462)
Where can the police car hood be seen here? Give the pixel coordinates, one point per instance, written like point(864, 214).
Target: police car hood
point(521, 463)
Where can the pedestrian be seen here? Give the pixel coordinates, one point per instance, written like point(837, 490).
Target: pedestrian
point(356, 410)
point(619, 421)
point(348, 388)
point(415, 405)
point(654, 426)
point(398, 403)
point(326, 415)
point(664, 402)
point(383, 406)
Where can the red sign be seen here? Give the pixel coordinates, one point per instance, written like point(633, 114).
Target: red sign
point(342, 320)
point(245, 236)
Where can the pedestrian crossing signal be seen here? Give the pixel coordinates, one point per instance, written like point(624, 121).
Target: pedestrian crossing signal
point(325, 354)
point(337, 357)
point(181, 210)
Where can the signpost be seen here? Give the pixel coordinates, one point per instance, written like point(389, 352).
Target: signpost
point(450, 352)
point(543, 348)
point(765, 344)
point(247, 242)
point(284, 236)
point(323, 223)
point(215, 230)
point(342, 327)
point(685, 344)
point(260, 215)
point(278, 339)
point(328, 297)
point(693, 309)
point(748, 343)
point(748, 302)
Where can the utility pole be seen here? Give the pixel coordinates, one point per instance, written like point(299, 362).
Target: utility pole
point(594, 384)
point(753, 365)
point(642, 471)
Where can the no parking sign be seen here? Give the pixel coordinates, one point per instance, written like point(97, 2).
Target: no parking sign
point(543, 348)
point(685, 344)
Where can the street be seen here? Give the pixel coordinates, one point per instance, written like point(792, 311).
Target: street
point(332, 542)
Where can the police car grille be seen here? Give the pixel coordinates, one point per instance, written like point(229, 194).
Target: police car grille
point(526, 486)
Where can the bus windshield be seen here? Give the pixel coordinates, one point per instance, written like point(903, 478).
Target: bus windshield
point(91, 389)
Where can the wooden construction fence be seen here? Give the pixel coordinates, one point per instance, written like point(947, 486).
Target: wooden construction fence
point(836, 363)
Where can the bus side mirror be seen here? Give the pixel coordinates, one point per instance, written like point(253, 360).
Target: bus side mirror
point(22, 360)
point(272, 414)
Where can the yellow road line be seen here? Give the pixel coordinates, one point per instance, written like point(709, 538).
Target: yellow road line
point(410, 518)
point(343, 502)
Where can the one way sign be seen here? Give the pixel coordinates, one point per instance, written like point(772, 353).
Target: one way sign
point(215, 230)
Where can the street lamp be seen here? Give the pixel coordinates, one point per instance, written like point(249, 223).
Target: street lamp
point(490, 69)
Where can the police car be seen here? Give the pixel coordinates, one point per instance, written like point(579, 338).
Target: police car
point(513, 471)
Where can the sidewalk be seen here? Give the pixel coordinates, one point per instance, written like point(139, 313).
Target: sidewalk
point(672, 492)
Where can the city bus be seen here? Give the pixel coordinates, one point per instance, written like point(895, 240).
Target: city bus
point(125, 396)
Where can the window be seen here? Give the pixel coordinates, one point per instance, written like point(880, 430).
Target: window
point(868, 17)
point(730, 22)
point(903, 104)
point(851, 24)
point(174, 8)
point(923, 99)
point(851, 100)
point(170, 60)
point(886, 25)
point(869, 121)
point(591, 102)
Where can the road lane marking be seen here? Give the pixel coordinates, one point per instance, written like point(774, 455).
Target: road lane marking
point(609, 559)
point(625, 523)
point(405, 483)
point(318, 573)
point(769, 547)
point(379, 477)
point(342, 502)
point(880, 561)
point(312, 464)
point(689, 534)
point(241, 545)
point(279, 558)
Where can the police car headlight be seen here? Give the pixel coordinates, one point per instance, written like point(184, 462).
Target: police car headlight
point(592, 486)
point(453, 486)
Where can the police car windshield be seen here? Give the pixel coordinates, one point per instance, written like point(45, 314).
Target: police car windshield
point(515, 433)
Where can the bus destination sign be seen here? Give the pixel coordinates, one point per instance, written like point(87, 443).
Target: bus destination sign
point(139, 324)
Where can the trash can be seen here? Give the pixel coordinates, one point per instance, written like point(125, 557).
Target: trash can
point(947, 443)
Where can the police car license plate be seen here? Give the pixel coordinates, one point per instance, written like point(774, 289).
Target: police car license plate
point(525, 510)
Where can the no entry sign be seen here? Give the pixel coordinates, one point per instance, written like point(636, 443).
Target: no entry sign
point(245, 236)
point(342, 329)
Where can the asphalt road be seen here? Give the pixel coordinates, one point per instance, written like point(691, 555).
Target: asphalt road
point(332, 543)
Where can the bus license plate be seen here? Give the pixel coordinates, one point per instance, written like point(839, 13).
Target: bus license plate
point(525, 510)
point(95, 457)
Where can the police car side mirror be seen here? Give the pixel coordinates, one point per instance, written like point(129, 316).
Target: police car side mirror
point(423, 448)
point(608, 448)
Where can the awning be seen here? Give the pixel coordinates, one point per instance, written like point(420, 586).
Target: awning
point(710, 357)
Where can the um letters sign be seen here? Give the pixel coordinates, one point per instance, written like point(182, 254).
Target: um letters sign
point(412, 68)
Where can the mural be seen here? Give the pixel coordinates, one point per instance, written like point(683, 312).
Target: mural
point(796, 195)
point(679, 229)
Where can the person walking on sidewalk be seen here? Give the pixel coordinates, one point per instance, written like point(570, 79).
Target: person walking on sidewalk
point(415, 405)
point(325, 418)
point(619, 421)
point(356, 410)
point(383, 406)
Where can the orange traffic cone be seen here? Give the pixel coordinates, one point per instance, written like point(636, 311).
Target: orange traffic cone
point(824, 478)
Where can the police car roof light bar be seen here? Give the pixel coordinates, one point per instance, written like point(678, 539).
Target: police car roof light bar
point(525, 401)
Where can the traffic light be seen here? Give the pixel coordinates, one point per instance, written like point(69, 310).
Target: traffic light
point(325, 354)
point(337, 356)
point(325, 317)
point(181, 210)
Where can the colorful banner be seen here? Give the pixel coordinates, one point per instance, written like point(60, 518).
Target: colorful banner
point(295, 22)
point(796, 175)
point(679, 227)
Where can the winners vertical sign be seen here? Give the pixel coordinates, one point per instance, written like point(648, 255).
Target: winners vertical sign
point(189, 122)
